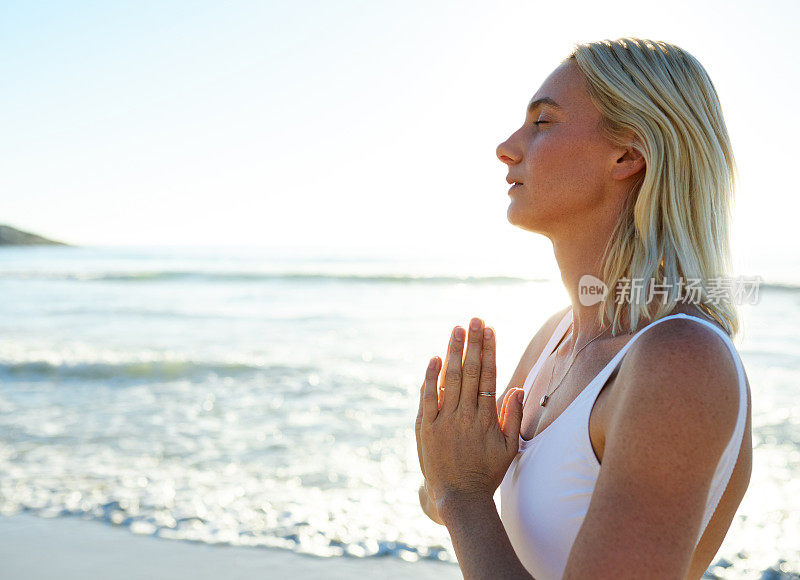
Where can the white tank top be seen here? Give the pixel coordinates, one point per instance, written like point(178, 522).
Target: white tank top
point(545, 493)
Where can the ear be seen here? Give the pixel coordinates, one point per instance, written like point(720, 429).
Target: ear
point(629, 162)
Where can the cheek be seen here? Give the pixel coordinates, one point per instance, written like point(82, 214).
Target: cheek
point(564, 165)
point(551, 165)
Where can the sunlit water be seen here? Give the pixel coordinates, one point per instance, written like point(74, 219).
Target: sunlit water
point(255, 397)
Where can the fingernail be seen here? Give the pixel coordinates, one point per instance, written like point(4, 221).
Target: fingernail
point(432, 364)
point(487, 333)
point(475, 324)
point(459, 333)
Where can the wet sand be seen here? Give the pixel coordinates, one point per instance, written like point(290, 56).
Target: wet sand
point(33, 548)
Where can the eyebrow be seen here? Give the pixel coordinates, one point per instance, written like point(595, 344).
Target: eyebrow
point(543, 101)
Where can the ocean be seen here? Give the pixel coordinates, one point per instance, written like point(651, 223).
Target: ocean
point(267, 397)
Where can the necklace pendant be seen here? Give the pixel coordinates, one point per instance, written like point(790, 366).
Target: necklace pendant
point(543, 402)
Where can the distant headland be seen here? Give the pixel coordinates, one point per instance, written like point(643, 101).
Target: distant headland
point(13, 237)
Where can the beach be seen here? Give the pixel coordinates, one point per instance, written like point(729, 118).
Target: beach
point(37, 548)
point(216, 409)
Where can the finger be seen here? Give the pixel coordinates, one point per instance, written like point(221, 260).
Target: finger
point(440, 393)
point(508, 396)
point(513, 419)
point(452, 371)
point(488, 375)
point(417, 427)
point(419, 411)
point(430, 399)
point(471, 369)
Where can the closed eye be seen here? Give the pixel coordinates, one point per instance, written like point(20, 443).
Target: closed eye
point(539, 122)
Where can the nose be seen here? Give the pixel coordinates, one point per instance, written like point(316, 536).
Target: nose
point(506, 152)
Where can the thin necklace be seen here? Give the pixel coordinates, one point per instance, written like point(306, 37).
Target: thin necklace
point(545, 398)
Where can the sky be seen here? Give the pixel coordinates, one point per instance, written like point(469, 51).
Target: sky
point(347, 123)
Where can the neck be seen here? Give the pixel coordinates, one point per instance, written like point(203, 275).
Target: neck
point(578, 256)
point(578, 249)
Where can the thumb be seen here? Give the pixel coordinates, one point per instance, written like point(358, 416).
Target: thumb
point(513, 416)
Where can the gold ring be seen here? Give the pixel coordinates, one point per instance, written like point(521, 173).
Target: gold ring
point(486, 393)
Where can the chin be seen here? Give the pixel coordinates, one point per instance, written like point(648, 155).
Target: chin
point(523, 221)
point(515, 215)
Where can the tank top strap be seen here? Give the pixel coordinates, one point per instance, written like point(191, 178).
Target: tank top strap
point(557, 335)
point(604, 374)
point(593, 389)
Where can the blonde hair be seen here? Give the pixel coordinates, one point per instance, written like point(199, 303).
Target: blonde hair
point(675, 226)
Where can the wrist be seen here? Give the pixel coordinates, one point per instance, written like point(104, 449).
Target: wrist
point(454, 504)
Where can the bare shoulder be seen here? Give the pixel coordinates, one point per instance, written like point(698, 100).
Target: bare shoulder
point(684, 370)
point(532, 352)
point(676, 402)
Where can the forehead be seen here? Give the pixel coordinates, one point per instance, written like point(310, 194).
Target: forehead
point(566, 87)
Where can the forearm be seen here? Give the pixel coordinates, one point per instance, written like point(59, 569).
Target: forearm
point(480, 540)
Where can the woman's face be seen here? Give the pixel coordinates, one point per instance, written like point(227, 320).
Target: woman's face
point(559, 157)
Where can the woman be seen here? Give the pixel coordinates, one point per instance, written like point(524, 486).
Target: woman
point(628, 449)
